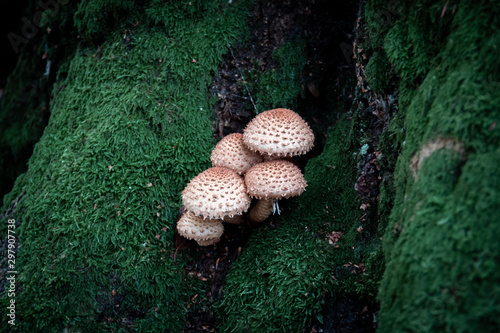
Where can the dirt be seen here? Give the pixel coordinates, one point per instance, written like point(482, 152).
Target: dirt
point(326, 27)
point(347, 316)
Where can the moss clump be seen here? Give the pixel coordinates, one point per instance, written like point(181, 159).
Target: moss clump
point(444, 249)
point(285, 275)
point(130, 125)
point(95, 18)
point(279, 86)
point(378, 73)
point(441, 273)
point(380, 16)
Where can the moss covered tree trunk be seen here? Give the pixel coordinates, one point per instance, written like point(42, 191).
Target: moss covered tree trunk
point(441, 244)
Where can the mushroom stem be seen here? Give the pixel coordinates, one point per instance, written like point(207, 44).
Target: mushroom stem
point(276, 207)
point(236, 219)
point(261, 211)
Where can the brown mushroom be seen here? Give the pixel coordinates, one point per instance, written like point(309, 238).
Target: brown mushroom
point(278, 132)
point(204, 231)
point(215, 193)
point(269, 182)
point(231, 152)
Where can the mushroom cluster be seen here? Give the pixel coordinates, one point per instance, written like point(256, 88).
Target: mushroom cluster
point(254, 164)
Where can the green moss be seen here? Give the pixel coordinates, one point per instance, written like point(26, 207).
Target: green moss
point(130, 125)
point(441, 257)
point(378, 73)
point(279, 86)
point(170, 13)
point(95, 18)
point(446, 253)
point(411, 46)
point(390, 145)
point(378, 17)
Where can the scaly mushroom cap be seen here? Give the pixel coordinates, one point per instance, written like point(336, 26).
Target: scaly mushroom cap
point(275, 180)
point(215, 193)
point(281, 132)
point(204, 232)
point(232, 153)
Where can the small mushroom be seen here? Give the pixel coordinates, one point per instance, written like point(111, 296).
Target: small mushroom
point(215, 193)
point(231, 152)
point(205, 232)
point(278, 132)
point(269, 182)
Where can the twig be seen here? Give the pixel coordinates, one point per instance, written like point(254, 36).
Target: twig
point(244, 81)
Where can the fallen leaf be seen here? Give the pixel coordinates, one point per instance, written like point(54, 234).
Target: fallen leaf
point(334, 237)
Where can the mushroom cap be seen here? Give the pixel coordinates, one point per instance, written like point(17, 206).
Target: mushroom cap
point(281, 132)
point(215, 193)
point(202, 231)
point(231, 152)
point(275, 180)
